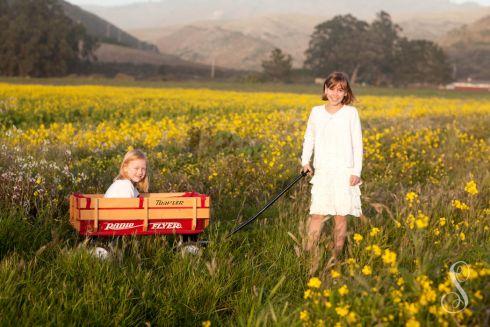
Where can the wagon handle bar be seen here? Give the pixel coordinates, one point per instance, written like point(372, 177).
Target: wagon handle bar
point(271, 202)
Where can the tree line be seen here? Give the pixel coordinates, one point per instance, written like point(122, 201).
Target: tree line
point(371, 53)
point(38, 39)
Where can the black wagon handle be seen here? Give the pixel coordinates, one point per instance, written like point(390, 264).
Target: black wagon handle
point(271, 202)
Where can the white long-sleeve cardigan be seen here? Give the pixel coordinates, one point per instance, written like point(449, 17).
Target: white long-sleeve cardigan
point(335, 136)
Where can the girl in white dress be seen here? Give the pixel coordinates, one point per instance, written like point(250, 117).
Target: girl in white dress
point(133, 176)
point(334, 136)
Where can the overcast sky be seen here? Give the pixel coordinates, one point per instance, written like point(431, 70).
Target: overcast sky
point(123, 2)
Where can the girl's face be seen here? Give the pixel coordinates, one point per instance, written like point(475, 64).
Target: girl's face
point(136, 170)
point(335, 95)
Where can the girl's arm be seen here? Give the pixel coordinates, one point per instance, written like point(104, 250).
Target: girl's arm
point(309, 142)
point(357, 143)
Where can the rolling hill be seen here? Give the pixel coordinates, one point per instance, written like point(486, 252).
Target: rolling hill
point(469, 49)
point(204, 40)
point(103, 30)
point(119, 47)
point(153, 14)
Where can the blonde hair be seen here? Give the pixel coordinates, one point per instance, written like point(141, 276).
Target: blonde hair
point(135, 154)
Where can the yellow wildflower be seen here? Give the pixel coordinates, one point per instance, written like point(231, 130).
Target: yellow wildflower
point(343, 290)
point(411, 308)
point(442, 221)
point(314, 282)
point(411, 197)
point(351, 261)
point(335, 274)
point(304, 315)
point(411, 221)
point(422, 220)
point(471, 188)
point(412, 322)
point(206, 323)
point(393, 270)
point(389, 257)
point(374, 231)
point(351, 317)
point(307, 294)
point(459, 205)
point(478, 295)
point(467, 272)
point(396, 295)
point(444, 287)
point(358, 238)
point(375, 249)
point(462, 236)
point(342, 310)
point(366, 270)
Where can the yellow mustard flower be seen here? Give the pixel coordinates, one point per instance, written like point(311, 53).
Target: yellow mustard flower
point(343, 290)
point(366, 270)
point(358, 238)
point(471, 188)
point(342, 311)
point(314, 282)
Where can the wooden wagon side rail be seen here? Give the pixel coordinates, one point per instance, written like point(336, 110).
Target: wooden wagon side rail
point(151, 210)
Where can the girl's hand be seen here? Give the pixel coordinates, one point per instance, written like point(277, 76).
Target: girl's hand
point(354, 180)
point(307, 169)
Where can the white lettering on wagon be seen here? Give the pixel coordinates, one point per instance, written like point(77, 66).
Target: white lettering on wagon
point(166, 225)
point(119, 226)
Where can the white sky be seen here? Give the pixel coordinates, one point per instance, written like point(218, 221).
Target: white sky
point(123, 2)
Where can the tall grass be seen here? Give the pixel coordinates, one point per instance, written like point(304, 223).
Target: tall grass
point(261, 276)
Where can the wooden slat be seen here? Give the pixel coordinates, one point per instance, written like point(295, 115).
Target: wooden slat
point(194, 214)
point(72, 209)
point(96, 221)
point(171, 202)
point(133, 203)
point(128, 214)
point(147, 216)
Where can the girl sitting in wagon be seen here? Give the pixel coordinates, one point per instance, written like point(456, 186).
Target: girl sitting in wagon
point(132, 178)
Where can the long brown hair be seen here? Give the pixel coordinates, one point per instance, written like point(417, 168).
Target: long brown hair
point(135, 154)
point(339, 78)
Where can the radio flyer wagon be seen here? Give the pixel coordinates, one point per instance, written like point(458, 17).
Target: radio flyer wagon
point(151, 214)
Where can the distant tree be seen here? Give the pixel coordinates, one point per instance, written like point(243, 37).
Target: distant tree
point(278, 67)
point(421, 61)
point(374, 53)
point(382, 49)
point(37, 39)
point(338, 44)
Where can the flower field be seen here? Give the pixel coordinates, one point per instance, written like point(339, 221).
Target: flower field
point(425, 201)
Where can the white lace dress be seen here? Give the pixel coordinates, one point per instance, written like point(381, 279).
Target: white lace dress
point(336, 141)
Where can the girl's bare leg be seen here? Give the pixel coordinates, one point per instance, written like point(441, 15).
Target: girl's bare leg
point(339, 234)
point(315, 225)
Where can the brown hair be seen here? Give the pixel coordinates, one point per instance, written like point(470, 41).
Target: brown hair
point(339, 78)
point(135, 154)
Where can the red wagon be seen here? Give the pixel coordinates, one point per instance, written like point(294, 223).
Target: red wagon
point(150, 214)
